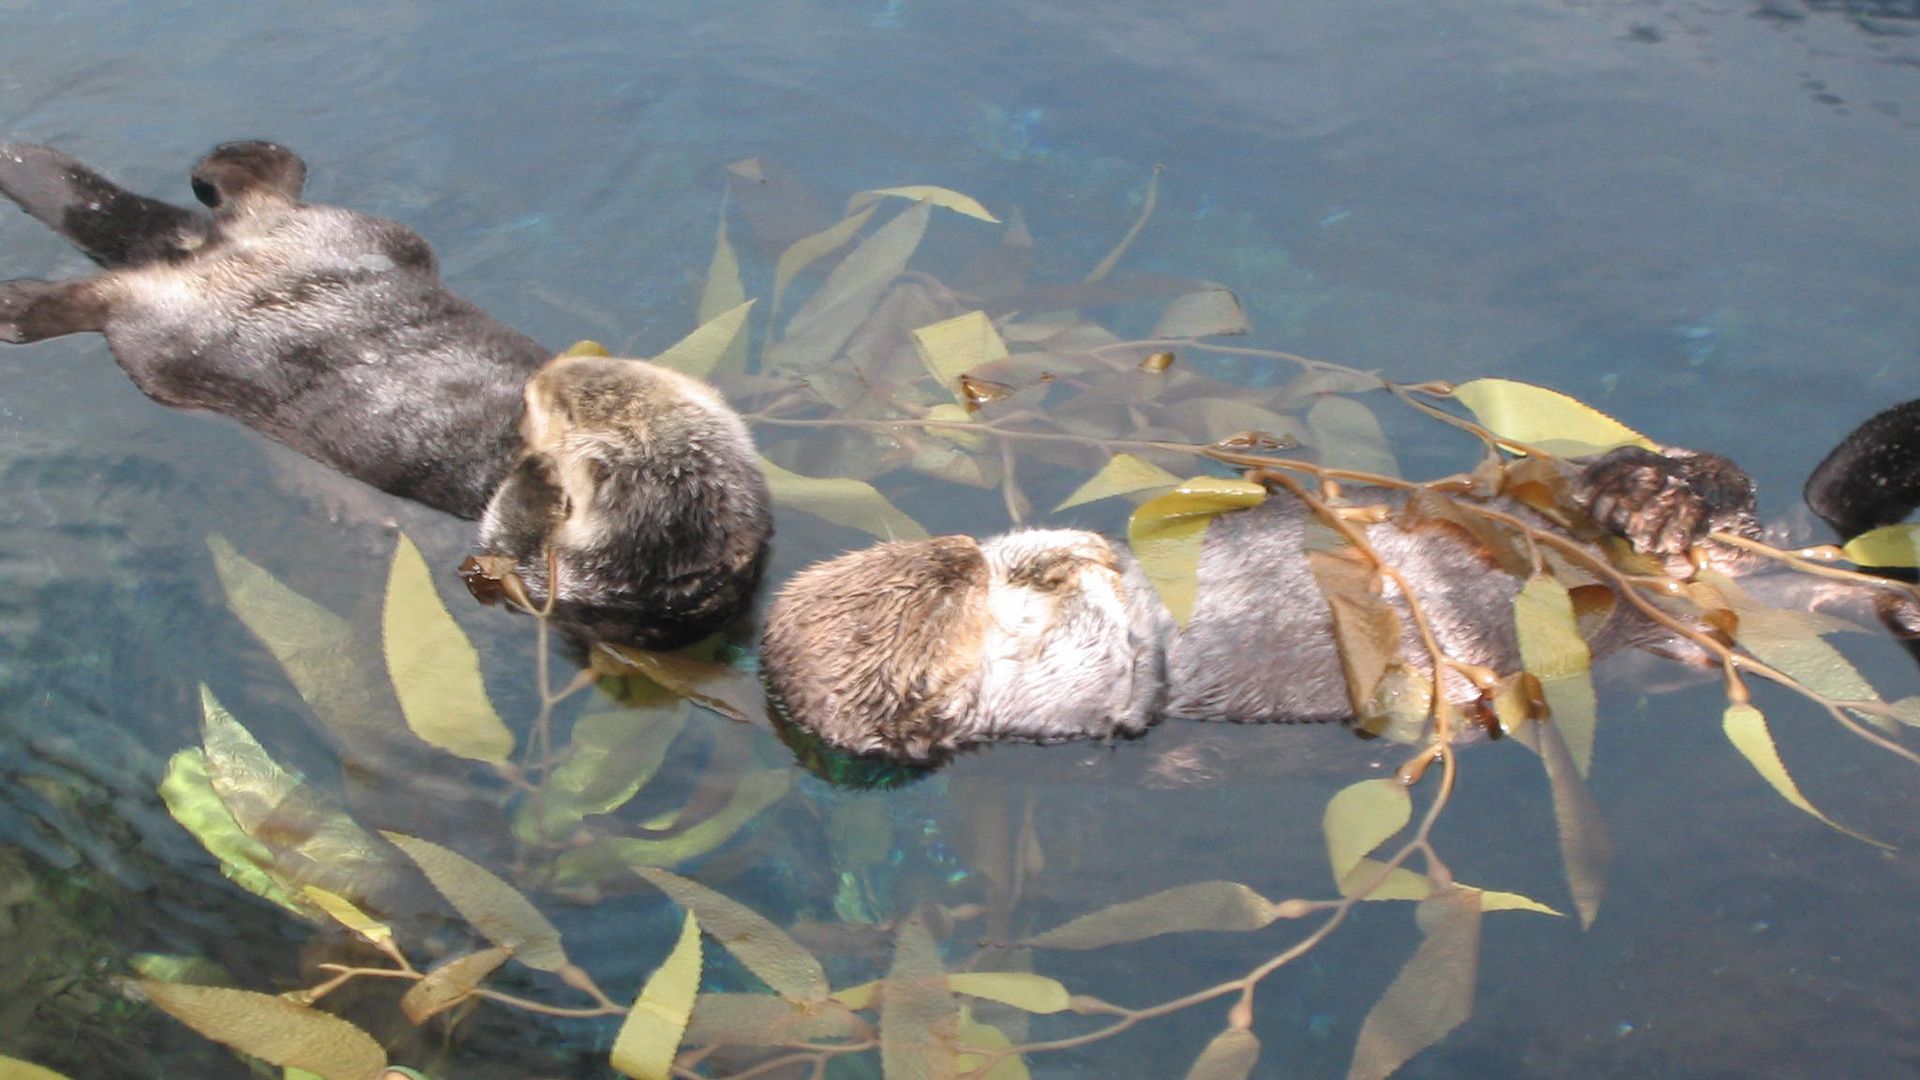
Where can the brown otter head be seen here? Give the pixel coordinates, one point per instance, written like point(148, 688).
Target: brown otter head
point(912, 650)
point(233, 173)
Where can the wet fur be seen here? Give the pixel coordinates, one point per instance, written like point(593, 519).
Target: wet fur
point(330, 331)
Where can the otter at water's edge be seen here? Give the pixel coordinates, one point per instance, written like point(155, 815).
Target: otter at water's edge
point(911, 651)
point(330, 331)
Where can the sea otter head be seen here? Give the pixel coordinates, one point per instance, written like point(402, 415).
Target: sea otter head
point(912, 650)
point(235, 174)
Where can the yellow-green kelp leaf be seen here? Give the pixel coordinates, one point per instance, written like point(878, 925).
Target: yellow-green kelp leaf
point(248, 780)
point(645, 1047)
point(1365, 627)
point(952, 347)
point(273, 1029)
point(1230, 1056)
point(843, 302)
point(451, 983)
point(700, 353)
point(313, 645)
point(1585, 848)
point(1888, 545)
point(1020, 989)
point(496, 909)
point(177, 968)
point(975, 1037)
point(434, 668)
point(722, 295)
point(585, 347)
point(1168, 532)
point(1791, 642)
point(611, 757)
point(347, 914)
point(1746, 728)
point(1210, 312)
point(919, 1019)
point(1432, 995)
point(1545, 419)
point(1401, 883)
point(15, 1069)
point(1203, 905)
point(1553, 650)
point(732, 692)
point(853, 503)
point(1346, 435)
point(1121, 475)
point(808, 249)
point(761, 947)
point(766, 1020)
point(938, 196)
point(192, 801)
point(756, 791)
point(1360, 817)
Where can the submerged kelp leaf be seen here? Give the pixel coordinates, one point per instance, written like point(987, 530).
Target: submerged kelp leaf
point(823, 324)
point(585, 347)
point(15, 1069)
point(653, 1029)
point(434, 668)
point(191, 799)
point(727, 690)
point(766, 1020)
point(853, 503)
point(1888, 545)
point(313, 645)
point(1791, 642)
point(804, 251)
point(1346, 435)
point(450, 983)
point(1168, 532)
point(978, 1036)
point(611, 757)
point(760, 946)
point(1212, 312)
point(938, 196)
point(493, 907)
point(1431, 996)
point(720, 297)
point(272, 1029)
point(1585, 848)
point(919, 1019)
point(347, 914)
point(1203, 905)
point(1230, 1056)
point(1746, 728)
point(1401, 883)
point(1361, 817)
point(1366, 627)
point(1546, 419)
point(604, 858)
point(711, 347)
point(245, 776)
point(1121, 475)
point(1022, 990)
point(1553, 650)
point(952, 347)
point(176, 968)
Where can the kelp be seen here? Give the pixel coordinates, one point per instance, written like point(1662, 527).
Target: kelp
point(875, 401)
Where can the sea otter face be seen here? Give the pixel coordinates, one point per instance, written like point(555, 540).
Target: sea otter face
point(912, 650)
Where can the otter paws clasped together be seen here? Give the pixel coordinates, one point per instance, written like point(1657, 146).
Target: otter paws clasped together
point(330, 331)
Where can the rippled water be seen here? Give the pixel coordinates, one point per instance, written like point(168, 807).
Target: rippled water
point(1696, 215)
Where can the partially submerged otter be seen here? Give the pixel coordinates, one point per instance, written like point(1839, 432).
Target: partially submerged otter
point(330, 331)
point(913, 650)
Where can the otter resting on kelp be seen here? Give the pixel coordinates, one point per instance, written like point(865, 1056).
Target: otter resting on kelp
point(911, 651)
point(330, 331)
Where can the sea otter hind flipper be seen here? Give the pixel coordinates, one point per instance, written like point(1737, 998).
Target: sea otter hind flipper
point(110, 225)
point(36, 310)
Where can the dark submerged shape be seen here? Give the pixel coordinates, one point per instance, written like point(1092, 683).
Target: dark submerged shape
point(330, 331)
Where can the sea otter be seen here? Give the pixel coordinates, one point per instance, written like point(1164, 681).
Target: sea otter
point(330, 331)
point(911, 651)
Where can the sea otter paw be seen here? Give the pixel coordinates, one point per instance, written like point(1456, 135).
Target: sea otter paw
point(1664, 504)
point(16, 300)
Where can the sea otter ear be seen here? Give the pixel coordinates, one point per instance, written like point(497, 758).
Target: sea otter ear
point(239, 170)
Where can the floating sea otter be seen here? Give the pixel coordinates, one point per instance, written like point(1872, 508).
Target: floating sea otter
point(911, 651)
point(330, 331)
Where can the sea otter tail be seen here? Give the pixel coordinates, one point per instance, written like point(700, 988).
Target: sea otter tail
point(112, 226)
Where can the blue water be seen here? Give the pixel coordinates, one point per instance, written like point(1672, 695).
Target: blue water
point(1696, 215)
